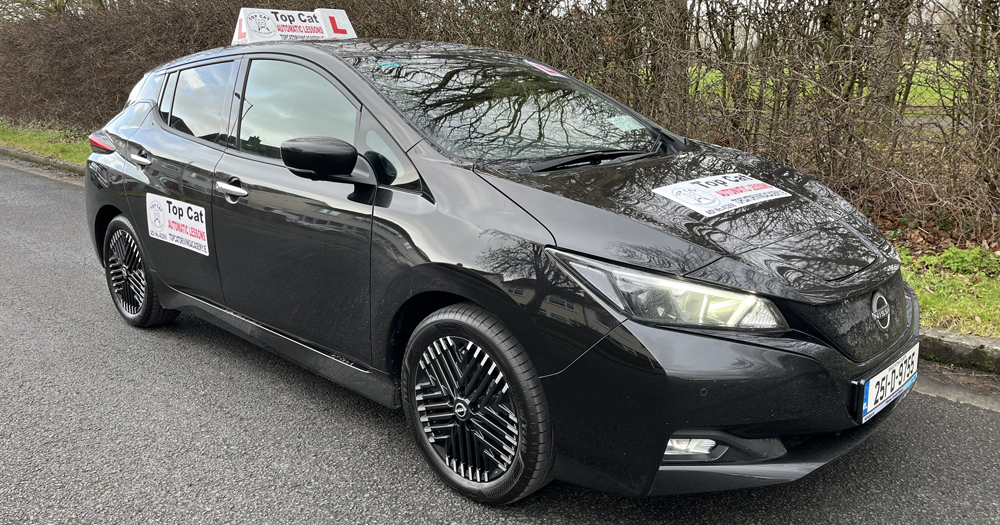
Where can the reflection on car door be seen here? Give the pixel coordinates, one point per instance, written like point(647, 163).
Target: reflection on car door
point(294, 253)
point(175, 152)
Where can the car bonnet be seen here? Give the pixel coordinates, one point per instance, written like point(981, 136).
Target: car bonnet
point(810, 245)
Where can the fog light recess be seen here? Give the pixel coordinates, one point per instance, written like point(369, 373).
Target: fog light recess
point(678, 447)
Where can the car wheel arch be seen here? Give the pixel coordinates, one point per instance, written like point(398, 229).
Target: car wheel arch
point(101, 222)
point(405, 321)
point(428, 288)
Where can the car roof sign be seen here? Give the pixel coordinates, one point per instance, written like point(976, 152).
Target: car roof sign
point(269, 25)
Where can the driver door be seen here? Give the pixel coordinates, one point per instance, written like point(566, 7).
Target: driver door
point(294, 254)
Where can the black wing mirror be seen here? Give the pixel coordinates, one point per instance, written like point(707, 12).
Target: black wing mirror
point(322, 158)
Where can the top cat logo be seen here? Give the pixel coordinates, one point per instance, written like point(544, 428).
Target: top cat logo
point(156, 216)
point(697, 197)
point(261, 24)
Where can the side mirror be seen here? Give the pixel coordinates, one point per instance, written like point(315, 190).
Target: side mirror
point(320, 158)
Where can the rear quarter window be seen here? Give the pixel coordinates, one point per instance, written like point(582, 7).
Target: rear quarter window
point(147, 89)
point(134, 94)
point(127, 122)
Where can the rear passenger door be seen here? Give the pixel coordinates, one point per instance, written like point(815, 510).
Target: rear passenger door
point(175, 152)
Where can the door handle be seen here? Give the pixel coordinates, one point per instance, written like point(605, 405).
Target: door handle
point(232, 192)
point(139, 159)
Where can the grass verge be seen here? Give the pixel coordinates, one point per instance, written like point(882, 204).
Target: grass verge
point(959, 289)
point(65, 146)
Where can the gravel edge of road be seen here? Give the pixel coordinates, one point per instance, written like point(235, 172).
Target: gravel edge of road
point(936, 344)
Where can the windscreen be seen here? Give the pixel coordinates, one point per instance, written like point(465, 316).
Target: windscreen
point(486, 109)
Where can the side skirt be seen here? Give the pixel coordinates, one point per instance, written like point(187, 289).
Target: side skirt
point(373, 384)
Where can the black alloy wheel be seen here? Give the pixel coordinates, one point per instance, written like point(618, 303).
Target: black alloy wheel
point(466, 409)
point(125, 273)
point(476, 407)
point(129, 282)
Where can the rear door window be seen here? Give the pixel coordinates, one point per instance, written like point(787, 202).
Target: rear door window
point(285, 101)
point(200, 102)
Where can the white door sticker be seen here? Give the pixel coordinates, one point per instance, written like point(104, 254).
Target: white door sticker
point(177, 222)
point(711, 196)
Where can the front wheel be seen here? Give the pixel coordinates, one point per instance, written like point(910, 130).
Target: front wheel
point(476, 407)
point(129, 281)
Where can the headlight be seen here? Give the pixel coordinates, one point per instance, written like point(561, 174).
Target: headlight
point(673, 301)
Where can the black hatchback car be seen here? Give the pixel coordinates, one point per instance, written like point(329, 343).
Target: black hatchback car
point(549, 284)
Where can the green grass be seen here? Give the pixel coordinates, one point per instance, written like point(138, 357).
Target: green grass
point(59, 145)
point(933, 87)
point(958, 289)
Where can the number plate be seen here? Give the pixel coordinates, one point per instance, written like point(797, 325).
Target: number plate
point(888, 384)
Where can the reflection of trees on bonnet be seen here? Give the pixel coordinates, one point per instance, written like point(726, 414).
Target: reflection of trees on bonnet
point(521, 259)
point(679, 256)
point(487, 109)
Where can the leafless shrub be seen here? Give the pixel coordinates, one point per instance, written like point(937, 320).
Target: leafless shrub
point(893, 103)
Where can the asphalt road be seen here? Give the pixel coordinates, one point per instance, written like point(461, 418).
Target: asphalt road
point(103, 423)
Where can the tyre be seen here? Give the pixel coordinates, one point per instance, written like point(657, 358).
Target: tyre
point(132, 288)
point(475, 406)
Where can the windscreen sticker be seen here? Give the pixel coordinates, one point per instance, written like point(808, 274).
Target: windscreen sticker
point(711, 196)
point(177, 222)
point(549, 71)
point(625, 123)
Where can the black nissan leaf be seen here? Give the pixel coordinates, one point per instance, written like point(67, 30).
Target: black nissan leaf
point(547, 283)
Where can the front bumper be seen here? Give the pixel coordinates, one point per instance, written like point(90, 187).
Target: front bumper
point(790, 466)
point(614, 409)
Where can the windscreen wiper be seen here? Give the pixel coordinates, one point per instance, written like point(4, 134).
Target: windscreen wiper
point(592, 157)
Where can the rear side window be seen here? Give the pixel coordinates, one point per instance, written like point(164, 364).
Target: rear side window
point(134, 94)
point(147, 89)
point(127, 122)
point(150, 87)
point(199, 106)
point(285, 101)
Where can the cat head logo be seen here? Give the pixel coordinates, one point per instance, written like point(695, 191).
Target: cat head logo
point(156, 216)
point(696, 197)
point(261, 24)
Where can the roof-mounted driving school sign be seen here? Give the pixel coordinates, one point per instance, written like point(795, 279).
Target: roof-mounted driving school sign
point(263, 25)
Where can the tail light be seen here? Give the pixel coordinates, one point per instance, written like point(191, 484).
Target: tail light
point(100, 143)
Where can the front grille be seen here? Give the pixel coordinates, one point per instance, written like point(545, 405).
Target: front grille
point(849, 326)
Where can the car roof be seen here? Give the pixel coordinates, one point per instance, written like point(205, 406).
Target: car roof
point(389, 47)
point(355, 47)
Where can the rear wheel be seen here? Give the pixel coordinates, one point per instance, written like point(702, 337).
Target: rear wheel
point(476, 407)
point(132, 289)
